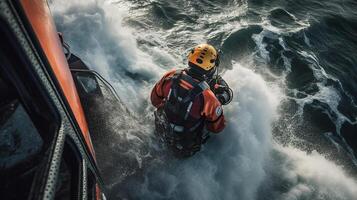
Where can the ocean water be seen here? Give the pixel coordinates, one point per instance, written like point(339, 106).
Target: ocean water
point(292, 126)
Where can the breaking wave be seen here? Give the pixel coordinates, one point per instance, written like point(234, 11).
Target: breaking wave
point(248, 160)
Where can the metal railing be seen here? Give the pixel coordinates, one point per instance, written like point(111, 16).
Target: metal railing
point(101, 78)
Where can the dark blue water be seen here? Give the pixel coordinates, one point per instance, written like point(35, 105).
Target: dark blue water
point(292, 130)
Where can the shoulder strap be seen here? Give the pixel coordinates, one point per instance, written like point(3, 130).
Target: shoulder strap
point(175, 83)
point(183, 104)
point(198, 88)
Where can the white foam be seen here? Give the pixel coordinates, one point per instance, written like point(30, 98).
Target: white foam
point(313, 176)
point(232, 164)
point(258, 39)
point(326, 94)
point(95, 32)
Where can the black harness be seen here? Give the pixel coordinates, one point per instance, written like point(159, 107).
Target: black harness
point(179, 103)
point(174, 123)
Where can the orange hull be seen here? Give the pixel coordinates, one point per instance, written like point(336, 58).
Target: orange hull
point(43, 25)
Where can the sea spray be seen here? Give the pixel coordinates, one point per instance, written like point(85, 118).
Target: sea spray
point(231, 164)
point(235, 164)
point(94, 31)
point(300, 175)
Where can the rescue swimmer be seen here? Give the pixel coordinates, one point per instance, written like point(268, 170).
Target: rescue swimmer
point(189, 102)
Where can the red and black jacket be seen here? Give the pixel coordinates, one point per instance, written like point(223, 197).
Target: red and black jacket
point(205, 106)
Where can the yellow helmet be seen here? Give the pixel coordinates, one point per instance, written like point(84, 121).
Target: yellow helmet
point(203, 56)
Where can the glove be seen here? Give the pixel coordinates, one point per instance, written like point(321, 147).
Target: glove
point(223, 98)
point(223, 94)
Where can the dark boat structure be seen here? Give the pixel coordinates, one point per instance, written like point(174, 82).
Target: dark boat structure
point(50, 124)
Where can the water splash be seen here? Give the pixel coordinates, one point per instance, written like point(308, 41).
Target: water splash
point(232, 165)
point(298, 175)
point(95, 32)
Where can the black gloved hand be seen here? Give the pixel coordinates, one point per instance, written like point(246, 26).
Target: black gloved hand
point(223, 98)
point(223, 94)
point(221, 89)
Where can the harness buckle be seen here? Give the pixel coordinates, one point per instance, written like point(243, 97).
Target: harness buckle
point(177, 128)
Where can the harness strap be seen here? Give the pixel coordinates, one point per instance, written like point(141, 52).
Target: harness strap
point(184, 104)
point(198, 88)
point(180, 129)
point(175, 83)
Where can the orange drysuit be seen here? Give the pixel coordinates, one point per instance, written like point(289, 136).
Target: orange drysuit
point(211, 110)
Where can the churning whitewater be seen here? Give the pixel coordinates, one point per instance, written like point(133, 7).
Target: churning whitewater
point(263, 153)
